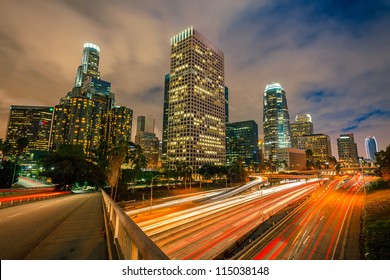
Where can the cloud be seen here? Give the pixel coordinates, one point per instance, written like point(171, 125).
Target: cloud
point(331, 57)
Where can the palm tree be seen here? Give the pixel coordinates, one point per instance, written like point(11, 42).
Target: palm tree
point(116, 158)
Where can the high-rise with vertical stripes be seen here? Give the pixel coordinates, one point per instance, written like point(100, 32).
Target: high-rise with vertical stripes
point(276, 120)
point(196, 102)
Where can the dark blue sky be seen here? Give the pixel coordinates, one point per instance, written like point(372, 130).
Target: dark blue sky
point(332, 57)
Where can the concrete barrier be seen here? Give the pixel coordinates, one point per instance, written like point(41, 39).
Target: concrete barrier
point(129, 241)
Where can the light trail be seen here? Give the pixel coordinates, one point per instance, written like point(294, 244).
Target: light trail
point(204, 230)
point(315, 231)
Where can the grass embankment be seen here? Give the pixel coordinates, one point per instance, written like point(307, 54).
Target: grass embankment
point(376, 223)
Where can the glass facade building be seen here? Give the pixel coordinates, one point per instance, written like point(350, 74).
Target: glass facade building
point(371, 148)
point(242, 141)
point(89, 67)
point(276, 120)
point(347, 149)
point(196, 103)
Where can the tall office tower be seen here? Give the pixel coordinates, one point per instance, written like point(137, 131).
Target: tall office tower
point(164, 144)
point(32, 122)
point(241, 141)
point(89, 67)
point(319, 144)
point(147, 139)
point(120, 122)
point(60, 125)
point(276, 120)
point(347, 149)
point(196, 109)
point(145, 123)
point(84, 115)
point(80, 122)
point(302, 126)
point(371, 148)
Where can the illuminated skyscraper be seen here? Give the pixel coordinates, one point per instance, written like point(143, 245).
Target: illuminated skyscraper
point(371, 148)
point(241, 141)
point(85, 114)
point(347, 149)
point(32, 122)
point(319, 144)
point(120, 120)
point(302, 126)
point(276, 120)
point(89, 67)
point(196, 106)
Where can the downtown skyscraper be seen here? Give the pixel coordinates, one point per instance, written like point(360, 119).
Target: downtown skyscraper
point(347, 149)
point(303, 125)
point(371, 147)
point(195, 129)
point(276, 120)
point(32, 122)
point(87, 115)
point(242, 142)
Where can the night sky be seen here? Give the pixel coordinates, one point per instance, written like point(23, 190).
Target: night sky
point(331, 57)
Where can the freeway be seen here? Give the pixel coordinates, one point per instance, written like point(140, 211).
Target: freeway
point(205, 229)
point(327, 226)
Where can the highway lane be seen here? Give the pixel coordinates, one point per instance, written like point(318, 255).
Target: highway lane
point(319, 230)
point(204, 230)
point(207, 242)
point(24, 227)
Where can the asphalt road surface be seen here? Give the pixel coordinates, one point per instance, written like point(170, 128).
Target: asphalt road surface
point(68, 227)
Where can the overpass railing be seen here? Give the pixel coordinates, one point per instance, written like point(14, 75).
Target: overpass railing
point(129, 241)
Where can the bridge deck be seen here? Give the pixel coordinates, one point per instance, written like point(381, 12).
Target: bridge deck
point(80, 237)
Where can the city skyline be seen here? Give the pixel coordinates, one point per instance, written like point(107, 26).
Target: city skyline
point(331, 58)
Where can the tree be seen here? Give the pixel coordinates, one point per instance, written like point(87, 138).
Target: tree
point(125, 156)
point(309, 159)
point(68, 165)
point(237, 171)
point(21, 145)
point(6, 173)
point(116, 158)
point(101, 154)
point(383, 160)
point(332, 162)
point(135, 159)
